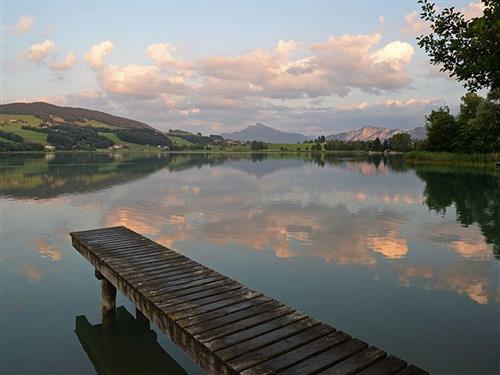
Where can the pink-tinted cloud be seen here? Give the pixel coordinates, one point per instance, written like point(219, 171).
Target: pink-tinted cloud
point(162, 54)
point(38, 52)
point(65, 64)
point(414, 25)
point(23, 25)
point(95, 56)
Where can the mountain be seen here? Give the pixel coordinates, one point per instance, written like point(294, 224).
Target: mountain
point(51, 112)
point(418, 133)
point(370, 133)
point(263, 133)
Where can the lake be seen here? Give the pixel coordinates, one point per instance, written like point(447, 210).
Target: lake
point(406, 258)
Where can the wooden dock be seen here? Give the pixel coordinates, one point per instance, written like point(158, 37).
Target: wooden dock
point(223, 326)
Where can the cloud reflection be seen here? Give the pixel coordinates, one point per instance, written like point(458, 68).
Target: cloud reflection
point(32, 273)
point(48, 250)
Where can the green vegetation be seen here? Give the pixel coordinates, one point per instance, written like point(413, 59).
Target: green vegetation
point(133, 147)
point(96, 124)
point(467, 48)
point(68, 137)
point(451, 158)
point(14, 142)
point(257, 146)
point(178, 141)
point(28, 135)
point(144, 137)
point(476, 128)
point(288, 147)
point(7, 119)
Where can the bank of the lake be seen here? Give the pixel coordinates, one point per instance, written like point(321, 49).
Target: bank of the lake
point(427, 157)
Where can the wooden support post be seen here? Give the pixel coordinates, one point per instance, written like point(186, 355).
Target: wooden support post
point(108, 302)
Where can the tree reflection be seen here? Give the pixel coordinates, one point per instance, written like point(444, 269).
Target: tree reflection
point(474, 193)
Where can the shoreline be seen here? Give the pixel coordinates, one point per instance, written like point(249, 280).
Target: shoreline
point(412, 157)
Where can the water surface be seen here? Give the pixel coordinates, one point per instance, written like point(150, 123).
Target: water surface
point(406, 259)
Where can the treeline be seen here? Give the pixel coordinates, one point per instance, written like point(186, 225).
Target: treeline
point(196, 139)
point(144, 137)
point(68, 137)
point(17, 143)
point(401, 142)
point(476, 128)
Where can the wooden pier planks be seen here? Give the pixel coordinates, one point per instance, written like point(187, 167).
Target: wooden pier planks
point(223, 326)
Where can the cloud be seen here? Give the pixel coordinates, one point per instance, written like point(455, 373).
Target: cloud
point(65, 64)
point(38, 52)
point(22, 26)
point(351, 61)
point(473, 10)
point(135, 80)
point(388, 103)
point(414, 25)
point(161, 53)
point(236, 90)
point(95, 57)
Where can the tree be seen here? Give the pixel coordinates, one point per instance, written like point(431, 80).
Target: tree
point(442, 130)
point(400, 142)
point(377, 145)
point(485, 127)
point(466, 134)
point(257, 145)
point(467, 48)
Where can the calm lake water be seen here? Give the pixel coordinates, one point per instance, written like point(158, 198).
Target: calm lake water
point(406, 259)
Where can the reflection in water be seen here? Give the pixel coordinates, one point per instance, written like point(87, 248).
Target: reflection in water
point(130, 348)
point(475, 194)
point(47, 250)
point(340, 235)
point(32, 273)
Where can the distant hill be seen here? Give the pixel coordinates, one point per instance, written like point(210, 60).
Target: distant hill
point(48, 112)
point(263, 133)
point(370, 133)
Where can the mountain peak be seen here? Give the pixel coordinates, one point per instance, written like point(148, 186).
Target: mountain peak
point(264, 133)
point(261, 125)
point(370, 133)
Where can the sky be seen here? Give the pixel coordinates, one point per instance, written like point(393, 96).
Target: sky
point(316, 67)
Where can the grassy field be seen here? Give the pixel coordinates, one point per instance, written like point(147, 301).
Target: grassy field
point(96, 124)
point(25, 119)
point(178, 141)
point(28, 135)
point(289, 147)
point(451, 158)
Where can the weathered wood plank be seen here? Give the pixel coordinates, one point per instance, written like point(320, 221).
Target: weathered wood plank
point(280, 347)
point(327, 358)
point(388, 366)
point(261, 305)
point(201, 319)
point(298, 355)
point(356, 363)
point(223, 326)
point(229, 347)
point(221, 299)
point(244, 324)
